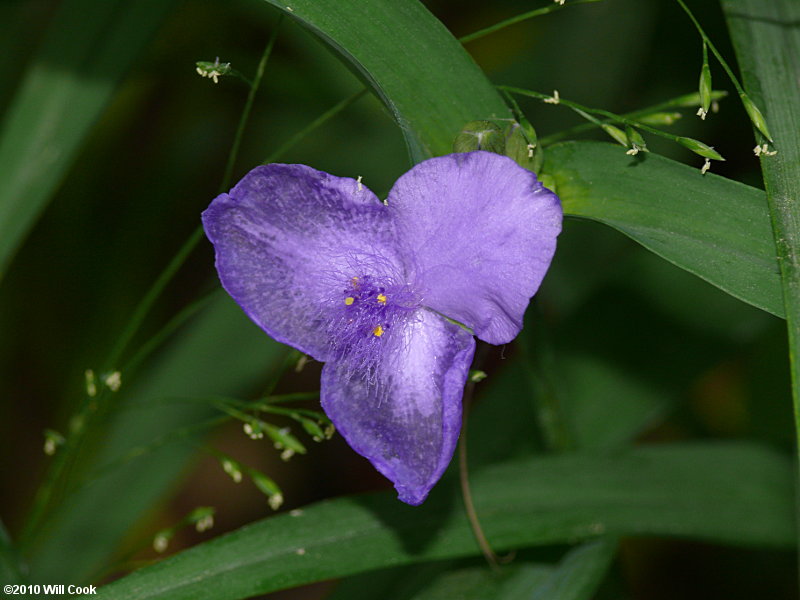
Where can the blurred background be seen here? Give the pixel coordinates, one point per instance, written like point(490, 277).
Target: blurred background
point(613, 326)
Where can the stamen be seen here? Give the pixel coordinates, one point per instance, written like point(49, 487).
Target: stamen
point(555, 98)
point(378, 331)
point(381, 299)
point(349, 300)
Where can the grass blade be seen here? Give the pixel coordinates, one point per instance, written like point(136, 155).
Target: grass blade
point(690, 491)
point(713, 227)
point(425, 78)
point(89, 47)
point(767, 42)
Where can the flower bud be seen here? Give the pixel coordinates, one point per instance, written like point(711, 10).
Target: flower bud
point(213, 70)
point(269, 488)
point(283, 438)
point(161, 541)
point(693, 99)
point(91, 383)
point(480, 135)
point(758, 120)
point(635, 139)
point(113, 380)
point(52, 440)
point(475, 376)
point(699, 148)
point(616, 133)
point(660, 118)
point(202, 517)
point(312, 428)
point(705, 85)
point(705, 91)
point(254, 429)
point(523, 148)
point(232, 468)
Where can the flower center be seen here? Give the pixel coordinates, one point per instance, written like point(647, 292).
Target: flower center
point(365, 312)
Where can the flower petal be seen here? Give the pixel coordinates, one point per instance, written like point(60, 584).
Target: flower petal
point(405, 414)
point(483, 231)
point(288, 238)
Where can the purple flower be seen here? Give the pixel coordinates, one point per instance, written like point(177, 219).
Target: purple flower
point(373, 289)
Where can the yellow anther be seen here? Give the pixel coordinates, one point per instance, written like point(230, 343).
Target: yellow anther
point(378, 331)
point(349, 300)
point(381, 299)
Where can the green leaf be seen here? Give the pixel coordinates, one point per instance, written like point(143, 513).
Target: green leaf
point(128, 481)
point(713, 227)
point(576, 577)
point(513, 582)
point(580, 573)
point(88, 48)
point(445, 580)
point(687, 491)
point(10, 569)
point(767, 42)
point(421, 73)
point(606, 404)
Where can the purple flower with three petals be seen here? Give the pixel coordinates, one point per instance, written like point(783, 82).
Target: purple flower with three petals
point(377, 291)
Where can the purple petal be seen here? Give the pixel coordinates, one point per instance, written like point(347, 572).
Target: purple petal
point(483, 231)
point(290, 239)
point(404, 414)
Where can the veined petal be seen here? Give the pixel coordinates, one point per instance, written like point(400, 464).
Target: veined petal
point(483, 232)
point(289, 241)
point(404, 414)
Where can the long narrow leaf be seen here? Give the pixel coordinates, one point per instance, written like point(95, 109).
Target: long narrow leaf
point(688, 491)
point(767, 41)
point(580, 572)
point(89, 46)
point(445, 580)
point(713, 227)
point(10, 569)
point(423, 75)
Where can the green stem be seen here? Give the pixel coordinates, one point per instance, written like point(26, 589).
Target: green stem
point(714, 50)
point(674, 103)
point(174, 323)
point(466, 491)
point(93, 409)
point(189, 431)
point(519, 19)
point(248, 106)
point(320, 120)
point(149, 299)
point(172, 437)
point(463, 472)
point(697, 147)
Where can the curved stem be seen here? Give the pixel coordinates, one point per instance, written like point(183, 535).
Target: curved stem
point(714, 50)
point(463, 477)
point(679, 102)
point(466, 494)
point(248, 106)
point(518, 19)
point(579, 108)
point(320, 120)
